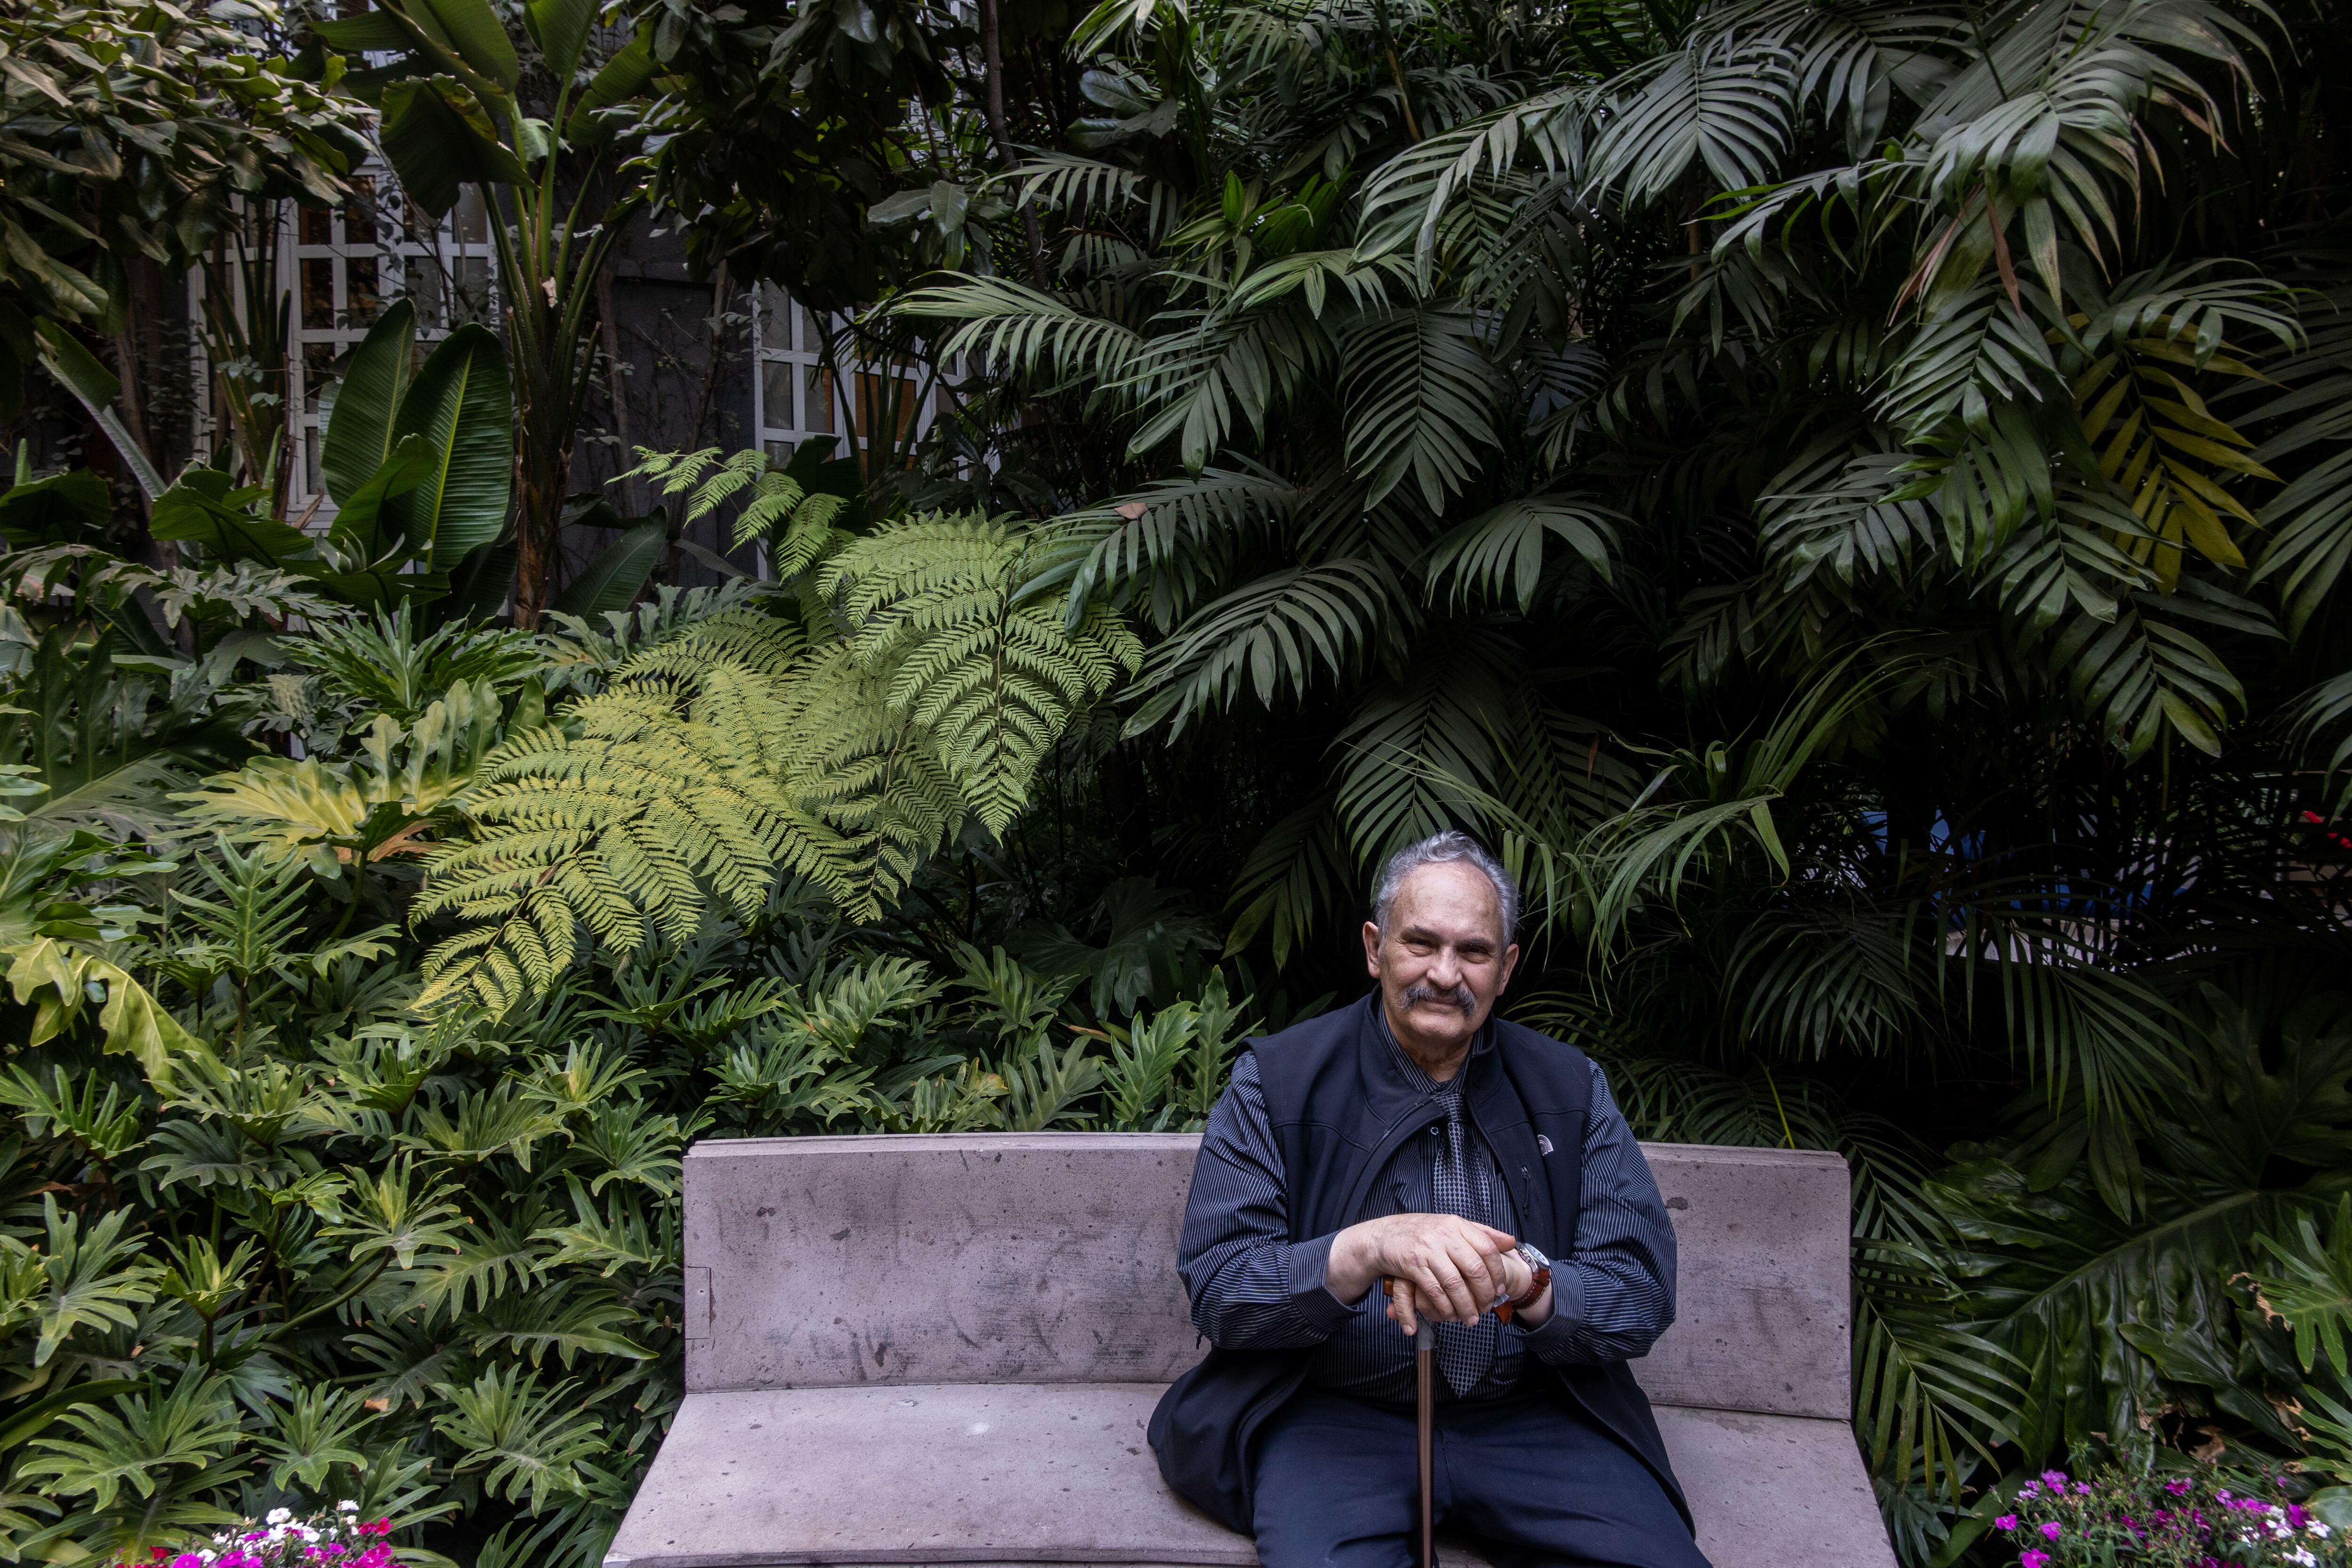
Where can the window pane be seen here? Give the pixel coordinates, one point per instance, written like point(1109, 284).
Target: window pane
point(316, 227)
point(318, 371)
point(470, 281)
point(310, 461)
point(885, 402)
point(780, 451)
point(775, 321)
point(776, 379)
point(359, 290)
point(811, 332)
point(359, 214)
point(818, 404)
point(317, 291)
point(425, 289)
point(467, 220)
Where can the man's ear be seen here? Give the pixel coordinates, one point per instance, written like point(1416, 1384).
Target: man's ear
point(1372, 949)
point(1510, 962)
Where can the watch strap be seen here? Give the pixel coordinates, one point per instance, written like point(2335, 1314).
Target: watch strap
point(1539, 1280)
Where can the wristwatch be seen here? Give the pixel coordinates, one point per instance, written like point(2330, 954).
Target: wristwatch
point(1539, 1281)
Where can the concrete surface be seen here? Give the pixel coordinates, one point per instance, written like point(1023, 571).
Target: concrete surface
point(1060, 1473)
point(1051, 1257)
point(945, 1350)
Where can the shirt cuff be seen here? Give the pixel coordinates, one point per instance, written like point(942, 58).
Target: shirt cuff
point(1305, 1267)
point(1557, 1333)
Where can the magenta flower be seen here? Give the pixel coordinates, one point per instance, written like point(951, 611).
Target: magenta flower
point(2054, 1480)
point(2034, 1559)
point(2006, 1521)
point(2176, 1488)
point(2050, 1532)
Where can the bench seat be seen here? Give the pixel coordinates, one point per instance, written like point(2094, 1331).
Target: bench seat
point(1007, 1473)
point(945, 1349)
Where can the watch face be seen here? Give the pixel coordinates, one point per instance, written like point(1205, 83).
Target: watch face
point(1534, 1257)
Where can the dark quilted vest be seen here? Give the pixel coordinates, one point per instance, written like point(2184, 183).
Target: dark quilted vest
point(1339, 1112)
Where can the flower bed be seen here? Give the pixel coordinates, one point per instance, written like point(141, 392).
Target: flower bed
point(329, 1539)
point(2205, 1520)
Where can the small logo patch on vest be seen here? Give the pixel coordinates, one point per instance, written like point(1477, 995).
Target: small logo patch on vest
point(1543, 1144)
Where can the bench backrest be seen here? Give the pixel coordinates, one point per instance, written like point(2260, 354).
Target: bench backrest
point(1050, 1257)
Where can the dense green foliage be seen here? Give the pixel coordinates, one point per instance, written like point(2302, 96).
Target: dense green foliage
point(1847, 493)
point(272, 1233)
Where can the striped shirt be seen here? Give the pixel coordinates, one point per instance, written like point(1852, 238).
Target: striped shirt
point(1253, 1289)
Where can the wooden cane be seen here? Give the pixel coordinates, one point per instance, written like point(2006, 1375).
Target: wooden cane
point(1424, 1393)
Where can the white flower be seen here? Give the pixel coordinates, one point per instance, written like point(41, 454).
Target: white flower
point(347, 1506)
point(2317, 1528)
point(2300, 1558)
point(278, 1516)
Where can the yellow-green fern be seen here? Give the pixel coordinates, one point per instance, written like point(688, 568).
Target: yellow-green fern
point(751, 745)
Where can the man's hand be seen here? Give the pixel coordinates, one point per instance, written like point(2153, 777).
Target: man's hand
point(1405, 1304)
point(1447, 1268)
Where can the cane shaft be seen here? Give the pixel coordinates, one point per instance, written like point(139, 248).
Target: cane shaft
point(1424, 1359)
point(1424, 1393)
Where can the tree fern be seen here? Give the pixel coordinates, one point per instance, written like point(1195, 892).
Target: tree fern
point(751, 745)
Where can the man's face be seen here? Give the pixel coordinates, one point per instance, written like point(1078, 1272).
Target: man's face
point(1442, 961)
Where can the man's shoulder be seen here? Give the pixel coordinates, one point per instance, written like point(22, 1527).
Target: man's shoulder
point(1523, 1038)
point(1292, 1059)
point(1309, 1036)
point(1529, 1054)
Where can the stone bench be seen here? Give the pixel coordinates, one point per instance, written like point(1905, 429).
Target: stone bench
point(945, 1349)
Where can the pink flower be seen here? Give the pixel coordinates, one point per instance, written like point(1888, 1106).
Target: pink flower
point(2050, 1532)
point(2034, 1559)
point(2006, 1521)
point(2177, 1488)
point(2297, 1515)
point(187, 1560)
point(2084, 1488)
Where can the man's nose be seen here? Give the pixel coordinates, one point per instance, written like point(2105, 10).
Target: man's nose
point(1446, 968)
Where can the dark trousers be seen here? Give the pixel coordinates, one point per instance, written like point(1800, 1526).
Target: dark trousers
point(1338, 1485)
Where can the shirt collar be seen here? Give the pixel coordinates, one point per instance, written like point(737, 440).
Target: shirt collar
point(1419, 1080)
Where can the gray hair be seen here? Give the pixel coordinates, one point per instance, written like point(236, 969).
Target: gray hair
point(1440, 849)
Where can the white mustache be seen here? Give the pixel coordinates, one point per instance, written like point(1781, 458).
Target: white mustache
point(1420, 991)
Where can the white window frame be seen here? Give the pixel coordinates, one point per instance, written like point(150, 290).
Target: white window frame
point(452, 259)
point(794, 393)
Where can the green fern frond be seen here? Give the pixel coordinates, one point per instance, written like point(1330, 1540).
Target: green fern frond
point(744, 749)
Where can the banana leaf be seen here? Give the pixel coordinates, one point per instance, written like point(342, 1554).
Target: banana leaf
point(462, 404)
point(362, 421)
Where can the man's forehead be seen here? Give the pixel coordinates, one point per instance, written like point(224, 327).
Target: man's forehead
point(1439, 901)
point(1447, 881)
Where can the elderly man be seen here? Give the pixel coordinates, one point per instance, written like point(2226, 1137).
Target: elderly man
point(1414, 1138)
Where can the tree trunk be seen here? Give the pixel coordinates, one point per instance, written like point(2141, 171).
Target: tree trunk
point(616, 387)
point(992, 55)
